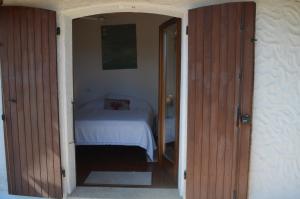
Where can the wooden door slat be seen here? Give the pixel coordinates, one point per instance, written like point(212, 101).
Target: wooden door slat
point(20, 100)
point(237, 62)
point(40, 102)
point(216, 18)
point(198, 101)
point(206, 107)
point(54, 104)
point(12, 105)
point(222, 103)
point(33, 103)
point(6, 93)
point(26, 101)
point(230, 130)
point(47, 101)
point(191, 104)
point(246, 100)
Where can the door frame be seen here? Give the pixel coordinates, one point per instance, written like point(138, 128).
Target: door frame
point(161, 97)
point(65, 75)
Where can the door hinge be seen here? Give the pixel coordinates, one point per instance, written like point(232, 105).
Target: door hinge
point(234, 195)
point(184, 175)
point(187, 30)
point(246, 119)
point(63, 173)
point(3, 117)
point(58, 31)
point(243, 118)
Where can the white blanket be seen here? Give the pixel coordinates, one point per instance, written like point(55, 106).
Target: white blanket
point(96, 126)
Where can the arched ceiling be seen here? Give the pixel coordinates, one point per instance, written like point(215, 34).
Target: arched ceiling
point(70, 4)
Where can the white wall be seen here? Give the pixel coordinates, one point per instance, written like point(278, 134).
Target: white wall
point(275, 152)
point(91, 81)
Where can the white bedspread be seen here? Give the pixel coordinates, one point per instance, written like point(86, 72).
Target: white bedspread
point(96, 126)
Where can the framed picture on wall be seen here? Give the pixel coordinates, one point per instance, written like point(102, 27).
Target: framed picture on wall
point(119, 47)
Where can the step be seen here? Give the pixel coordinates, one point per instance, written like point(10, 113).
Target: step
point(123, 193)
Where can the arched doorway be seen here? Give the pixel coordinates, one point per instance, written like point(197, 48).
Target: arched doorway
point(65, 58)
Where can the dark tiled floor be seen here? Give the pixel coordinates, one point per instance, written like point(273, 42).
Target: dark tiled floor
point(119, 158)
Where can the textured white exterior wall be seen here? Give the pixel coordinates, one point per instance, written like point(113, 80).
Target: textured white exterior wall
point(275, 152)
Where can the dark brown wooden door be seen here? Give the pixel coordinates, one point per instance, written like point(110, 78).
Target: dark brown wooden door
point(30, 101)
point(221, 64)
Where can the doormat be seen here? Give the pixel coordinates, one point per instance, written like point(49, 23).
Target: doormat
point(119, 178)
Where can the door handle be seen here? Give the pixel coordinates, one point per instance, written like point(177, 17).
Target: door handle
point(246, 119)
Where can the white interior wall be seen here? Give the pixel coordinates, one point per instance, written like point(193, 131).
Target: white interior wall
point(91, 81)
point(275, 152)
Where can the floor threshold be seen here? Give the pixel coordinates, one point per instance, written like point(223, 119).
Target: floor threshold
point(123, 193)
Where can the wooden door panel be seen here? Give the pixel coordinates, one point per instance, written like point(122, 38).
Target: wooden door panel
point(29, 80)
point(218, 44)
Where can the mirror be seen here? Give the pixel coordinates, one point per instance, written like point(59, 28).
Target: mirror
point(170, 90)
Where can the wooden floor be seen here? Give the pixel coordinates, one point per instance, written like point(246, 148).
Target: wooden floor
point(104, 158)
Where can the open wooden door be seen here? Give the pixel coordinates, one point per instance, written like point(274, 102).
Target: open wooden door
point(30, 101)
point(169, 94)
point(221, 67)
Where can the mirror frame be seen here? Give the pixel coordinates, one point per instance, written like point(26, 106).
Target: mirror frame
point(161, 115)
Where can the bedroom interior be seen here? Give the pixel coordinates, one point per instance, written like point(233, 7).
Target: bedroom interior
point(126, 80)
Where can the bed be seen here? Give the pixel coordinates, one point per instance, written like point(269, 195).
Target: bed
point(95, 125)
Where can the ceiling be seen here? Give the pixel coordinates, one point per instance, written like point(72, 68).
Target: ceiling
point(69, 4)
